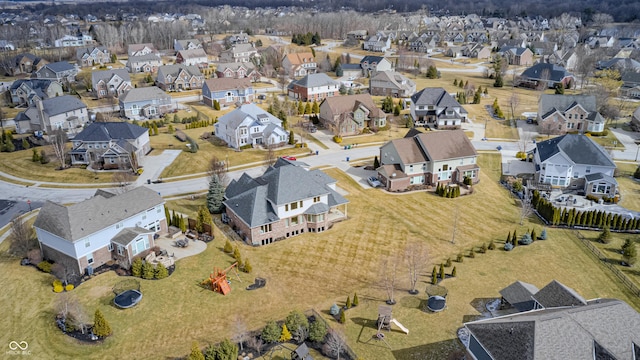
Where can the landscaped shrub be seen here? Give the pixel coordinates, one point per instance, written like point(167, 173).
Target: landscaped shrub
point(348, 303)
point(534, 236)
point(508, 246)
point(343, 317)
point(355, 299)
point(271, 332)
point(334, 310)
point(454, 273)
point(136, 267)
point(521, 155)
point(57, 282)
point(161, 271)
point(236, 254)
point(58, 288)
point(472, 253)
point(337, 139)
point(148, 272)
point(460, 258)
point(196, 353)
point(247, 267)
point(492, 245)
point(228, 248)
point(483, 248)
point(44, 266)
point(629, 253)
point(69, 287)
point(442, 275)
point(101, 327)
point(448, 262)
point(543, 234)
point(508, 238)
point(285, 335)
point(605, 236)
point(226, 350)
point(525, 239)
point(317, 331)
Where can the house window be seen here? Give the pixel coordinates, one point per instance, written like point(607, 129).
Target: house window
point(294, 220)
point(286, 207)
point(265, 228)
point(120, 250)
point(140, 245)
point(316, 199)
point(87, 243)
point(110, 247)
point(588, 170)
point(90, 258)
point(159, 210)
point(445, 167)
point(294, 205)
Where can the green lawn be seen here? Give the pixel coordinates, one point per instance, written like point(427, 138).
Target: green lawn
point(315, 271)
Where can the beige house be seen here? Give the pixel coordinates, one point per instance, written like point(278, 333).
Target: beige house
point(299, 64)
point(179, 77)
point(351, 114)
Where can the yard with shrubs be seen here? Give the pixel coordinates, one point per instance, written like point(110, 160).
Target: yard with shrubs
point(314, 271)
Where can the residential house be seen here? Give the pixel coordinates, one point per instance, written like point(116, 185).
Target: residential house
point(141, 49)
point(377, 43)
point(179, 77)
point(477, 51)
point(353, 71)
point(145, 102)
point(546, 75)
point(240, 53)
point(372, 64)
point(543, 48)
point(91, 56)
point(105, 227)
point(559, 114)
point(454, 51)
point(114, 82)
point(351, 114)
point(299, 64)
point(238, 70)
point(227, 91)
point(64, 112)
point(566, 327)
point(313, 87)
point(567, 59)
point(357, 34)
point(74, 40)
point(434, 106)
point(110, 145)
point(240, 38)
point(427, 158)
point(186, 44)
point(575, 162)
point(601, 41)
point(517, 55)
point(619, 64)
point(25, 91)
point(196, 57)
point(391, 83)
point(286, 200)
point(25, 64)
point(635, 120)
point(61, 71)
point(630, 84)
point(148, 63)
point(423, 43)
point(250, 125)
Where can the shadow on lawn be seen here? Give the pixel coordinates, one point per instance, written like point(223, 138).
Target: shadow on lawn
point(448, 349)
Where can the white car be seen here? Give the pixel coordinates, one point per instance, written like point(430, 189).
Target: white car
point(374, 182)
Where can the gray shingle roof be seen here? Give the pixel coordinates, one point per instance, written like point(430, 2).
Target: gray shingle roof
point(145, 93)
point(101, 131)
point(35, 84)
point(127, 235)
point(315, 80)
point(600, 176)
point(556, 294)
point(79, 220)
point(175, 69)
point(555, 72)
point(234, 118)
point(562, 103)
point(107, 74)
point(519, 292)
point(437, 97)
point(144, 58)
point(62, 104)
point(60, 66)
point(578, 148)
point(562, 333)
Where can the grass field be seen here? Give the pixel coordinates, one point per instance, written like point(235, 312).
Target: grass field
point(613, 252)
point(629, 188)
point(314, 271)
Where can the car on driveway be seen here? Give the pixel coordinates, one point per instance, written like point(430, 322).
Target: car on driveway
point(374, 182)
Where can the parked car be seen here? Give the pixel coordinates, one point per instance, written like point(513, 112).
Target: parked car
point(292, 158)
point(374, 182)
point(262, 97)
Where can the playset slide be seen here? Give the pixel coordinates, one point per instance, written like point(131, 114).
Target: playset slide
point(406, 331)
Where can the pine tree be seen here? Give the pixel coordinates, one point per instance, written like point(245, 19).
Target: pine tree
point(376, 162)
point(543, 234)
point(183, 224)
point(629, 253)
point(448, 262)
point(101, 327)
point(216, 105)
point(315, 108)
point(491, 246)
point(472, 253)
point(434, 277)
point(161, 271)
point(292, 138)
point(228, 248)
point(455, 82)
point(148, 272)
point(155, 128)
point(355, 299)
point(136, 267)
point(442, 272)
point(285, 335)
point(35, 157)
point(196, 353)
point(534, 236)
point(605, 236)
point(348, 303)
point(514, 238)
point(343, 318)
point(300, 107)
point(453, 272)
point(167, 215)
point(236, 254)
point(508, 238)
point(215, 195)
point(25, 144)
point(307, 108)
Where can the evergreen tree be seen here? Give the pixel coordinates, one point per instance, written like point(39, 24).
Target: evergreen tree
point(292, 139)
point(317, 331)
point(285, 335)
point(534, 236)
point(442, 271)
point(343, 318)
point(203, 218)
point(376, 162)
point(196, 353)
point(216, 105)
point(448, 262)
point(629, 253)
point(543, 234)
point(215, 195)
point(101, 327)
point(307, 108)
point(434, 277)
point(348, 303)
point(25, 144)
point(396, 110)
point(432, 72)
point(236, 254)
point(315, 107)
point(339, 71)
point(35, 156)
point(455, 82)
point(136, 267)
point(605, 236)
point(508, 238)
point(183, 224)
point(247, 267)
point(155, 128)
point(148, 272)
point(161, 271)
point(228, 248)
point(271, 332)
point(454, 273)
point(355, 299)
point(492, 245)
point(514, 238)
point(300, 107)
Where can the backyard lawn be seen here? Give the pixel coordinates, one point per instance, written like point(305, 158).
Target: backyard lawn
point(314, 271)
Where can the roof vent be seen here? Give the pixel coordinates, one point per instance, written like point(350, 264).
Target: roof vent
point(393, 175)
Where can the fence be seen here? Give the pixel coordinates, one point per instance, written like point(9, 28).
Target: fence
point(600, 256)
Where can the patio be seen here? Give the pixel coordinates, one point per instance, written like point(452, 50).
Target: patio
point(194, 247)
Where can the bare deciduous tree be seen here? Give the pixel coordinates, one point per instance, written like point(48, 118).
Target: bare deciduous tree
point(65, 269)
point(69, 308)
point(335, 343)
point(255, 343)
point(124, 180)
point(270, 154)
point(389, 275)
point(22, 238)
point(240, 332)
point(514, 101)
point(526, 208)
point(218, 167)
point(58, 141)
point(416, 257)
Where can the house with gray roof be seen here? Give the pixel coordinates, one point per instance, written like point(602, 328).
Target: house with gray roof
point(391, 83)
point(114, 82)
point(105, 227)
point(93, 56)
point(196, 57)
point(562, 114)
point(227, 91)
point(25, 91)
point(313, 87)
point(545, 75)
point(61, 71)
point(179, 77)
point(286, 200)
point(619, 64)
point(570, 161)
point(630, 84)
point(65, 112)
point(237, 71)
point(26, 63)
point(371, 64)
point(436, 107)
point(110, 145)
point(519, 295)
point(240, 53)
point(517, 55)
point(431, 158)
point(186, 44)
point(566, 327)
point(250, 125)
point(142, 49)
point(147, 63)
point(146, 102)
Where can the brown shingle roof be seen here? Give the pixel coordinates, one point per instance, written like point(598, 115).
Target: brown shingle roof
point(300, 58)
point(449, 144)
point(348, 103)
point(227, 83)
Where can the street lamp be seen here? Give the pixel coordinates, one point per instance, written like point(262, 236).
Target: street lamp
point(637, 151)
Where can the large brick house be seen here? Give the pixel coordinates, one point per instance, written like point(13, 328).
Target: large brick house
point(105, 227)
point(351, 114)
point(287, 200)
point(391, 83)
point(560, 114)
point(313, 87)
point(427, 159)
point(93, 56)
point(114, 82)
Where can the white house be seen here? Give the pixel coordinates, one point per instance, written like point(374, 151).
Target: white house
point(250, 125)
point(573, 161)
point(105, 227)
point(74, 40)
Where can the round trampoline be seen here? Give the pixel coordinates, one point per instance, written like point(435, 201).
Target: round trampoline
point(436, 303)
point(127, 299)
